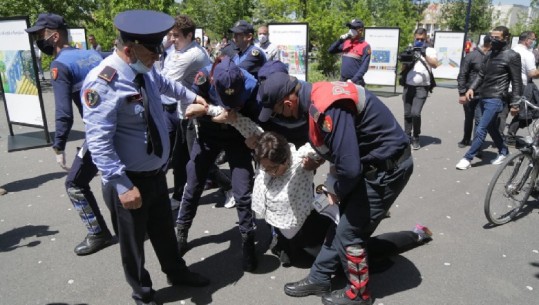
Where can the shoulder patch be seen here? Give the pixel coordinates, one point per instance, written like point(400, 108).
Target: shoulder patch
point(255, 52)
point(327, 125)
point(200, 78)
point(107, 73)
point(54, 73)
point(91, 97)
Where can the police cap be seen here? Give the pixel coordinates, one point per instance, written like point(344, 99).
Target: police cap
point(267, 69)
point(355, 24)
point(273, 90)
point(144, 27)
point(241, 27)
point(228, 81)
point(48, 21)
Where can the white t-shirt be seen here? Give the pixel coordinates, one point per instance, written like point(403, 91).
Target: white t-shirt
point(528, 61)
point(419, 75)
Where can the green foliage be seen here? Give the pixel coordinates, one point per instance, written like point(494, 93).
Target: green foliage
point(76, 12)
point(454, 15)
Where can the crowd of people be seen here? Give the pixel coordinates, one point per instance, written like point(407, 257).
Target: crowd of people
point(162, 101)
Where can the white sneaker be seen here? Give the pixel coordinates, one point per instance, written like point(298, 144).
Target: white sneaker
point(464, 164)
point(230, 202)
point(499, 159)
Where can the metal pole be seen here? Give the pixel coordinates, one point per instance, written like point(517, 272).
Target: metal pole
point(466, 25)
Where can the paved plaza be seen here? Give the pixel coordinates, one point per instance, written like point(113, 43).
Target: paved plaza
point(467, 263)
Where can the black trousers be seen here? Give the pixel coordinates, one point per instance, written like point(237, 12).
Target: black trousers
point(154, 218)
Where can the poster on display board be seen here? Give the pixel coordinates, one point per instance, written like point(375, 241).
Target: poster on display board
point(20, 83)
point(449, 48)
point(384, 44)
point(77, 38)
point(292, 41)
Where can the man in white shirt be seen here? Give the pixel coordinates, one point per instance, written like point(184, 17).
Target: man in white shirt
point(418, 81)
point(526, 43)
point(184, 59)
point(272, 53)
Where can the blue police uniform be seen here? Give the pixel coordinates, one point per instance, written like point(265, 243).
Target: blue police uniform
point(212, 138)
point(251, 60)
point(120, 105)
point(372, 169)
point(68, 70)
point(356, 56)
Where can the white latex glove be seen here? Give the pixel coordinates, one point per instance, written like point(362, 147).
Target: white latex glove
point(61, 160)
point(345, 36)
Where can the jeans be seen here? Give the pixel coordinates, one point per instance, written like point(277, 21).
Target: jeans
point(490, 108)
point(414, 99)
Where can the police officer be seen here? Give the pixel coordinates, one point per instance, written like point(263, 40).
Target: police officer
point(371, 164)
point(232, 88)
point(356, 53)
point(248, 56)
point(127, 135)
point(68, 70)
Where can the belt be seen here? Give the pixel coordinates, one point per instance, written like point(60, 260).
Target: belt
point(153, 173)
point(389, 164)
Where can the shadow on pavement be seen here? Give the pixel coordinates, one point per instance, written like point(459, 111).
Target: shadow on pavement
point(32, 183)
point(425, 141)
point(223, 269)
point(12, 239)
point(400, 276)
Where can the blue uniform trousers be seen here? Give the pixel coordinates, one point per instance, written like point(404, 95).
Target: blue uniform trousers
point(361, 212)
point(154, 218)
point(77, 184)
point(203, 154)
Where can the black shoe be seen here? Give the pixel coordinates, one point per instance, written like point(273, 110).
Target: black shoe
point(93, 243)
point(463, 143)
point(339, 297)
point(415, 143)
point(305, 287)
point(181, 237)
point(188, 278)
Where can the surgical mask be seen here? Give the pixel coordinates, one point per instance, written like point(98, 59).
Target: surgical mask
point(497, 45)
point(419, 44)
point(534, 43)
point(263, 38)
point(45, 45)
point(353, 32)
point(139, 67)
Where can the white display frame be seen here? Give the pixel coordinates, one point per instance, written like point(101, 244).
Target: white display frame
point(21, 92)
point(384, 44)
point(77, 38)
point(282, 35)
point(449, 48)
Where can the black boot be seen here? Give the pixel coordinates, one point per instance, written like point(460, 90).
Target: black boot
point(181, 238)
point(94, 242)
point(249, 256)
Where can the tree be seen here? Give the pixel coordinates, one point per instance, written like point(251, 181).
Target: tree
point(76, 12)
point(454, 15)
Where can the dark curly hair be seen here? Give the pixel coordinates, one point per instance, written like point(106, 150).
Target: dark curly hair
point(186, 25)
point(272, 146)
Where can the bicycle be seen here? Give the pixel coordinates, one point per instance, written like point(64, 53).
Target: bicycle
point(516, 178)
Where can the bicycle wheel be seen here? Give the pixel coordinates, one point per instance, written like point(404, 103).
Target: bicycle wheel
point(510, 188)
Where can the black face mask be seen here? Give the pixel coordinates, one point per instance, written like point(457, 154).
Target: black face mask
point(497, 45)
point(45, 46)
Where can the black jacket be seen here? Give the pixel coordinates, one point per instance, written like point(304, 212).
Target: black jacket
point(498, 70)
point(469, 69)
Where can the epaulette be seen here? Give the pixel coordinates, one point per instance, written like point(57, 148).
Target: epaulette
point(107, 73)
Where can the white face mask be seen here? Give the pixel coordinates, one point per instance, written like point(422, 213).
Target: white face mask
point(263, 38)
point(138, 66)
point(353, 32)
